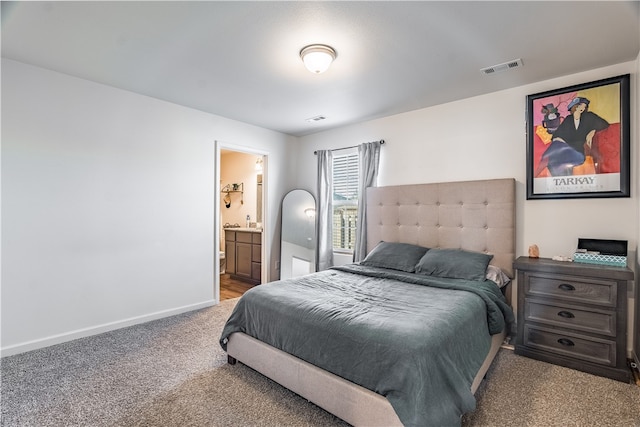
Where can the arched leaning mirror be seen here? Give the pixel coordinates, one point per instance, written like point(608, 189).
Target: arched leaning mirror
point(298, 244)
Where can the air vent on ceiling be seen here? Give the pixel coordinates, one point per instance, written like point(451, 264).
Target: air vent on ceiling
point(316, 119)
point(516, 63)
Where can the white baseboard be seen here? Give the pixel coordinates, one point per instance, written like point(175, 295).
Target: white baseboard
point(94, 330)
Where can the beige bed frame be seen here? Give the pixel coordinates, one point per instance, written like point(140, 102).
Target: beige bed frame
point(472, 215)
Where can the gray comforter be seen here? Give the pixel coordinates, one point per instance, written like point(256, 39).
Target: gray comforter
point(417, 340)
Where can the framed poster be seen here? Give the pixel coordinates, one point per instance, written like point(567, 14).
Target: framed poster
point(578, 141)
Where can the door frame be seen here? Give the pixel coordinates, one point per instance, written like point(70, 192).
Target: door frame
point(266, 223)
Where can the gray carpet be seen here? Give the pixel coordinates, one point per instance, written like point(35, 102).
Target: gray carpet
point(171, 372)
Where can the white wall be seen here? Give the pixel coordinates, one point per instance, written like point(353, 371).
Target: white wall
point(108, 205)
point(484, 137)
point(239, 168)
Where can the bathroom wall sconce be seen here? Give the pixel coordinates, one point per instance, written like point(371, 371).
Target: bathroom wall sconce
point(259, 164)
point(317, 57)
point(310, 212)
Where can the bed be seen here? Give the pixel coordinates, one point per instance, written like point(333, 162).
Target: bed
point(406, 336)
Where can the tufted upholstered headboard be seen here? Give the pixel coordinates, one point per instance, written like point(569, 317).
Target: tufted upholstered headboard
point(473, 215)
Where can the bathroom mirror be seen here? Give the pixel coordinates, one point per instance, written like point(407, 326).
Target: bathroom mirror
point(298, 243)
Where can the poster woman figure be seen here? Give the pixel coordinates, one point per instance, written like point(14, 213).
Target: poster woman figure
point(572, 141)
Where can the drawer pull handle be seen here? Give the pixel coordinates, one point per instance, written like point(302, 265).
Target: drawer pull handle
point(566, 342)
point(567, 287)
point(566, 314)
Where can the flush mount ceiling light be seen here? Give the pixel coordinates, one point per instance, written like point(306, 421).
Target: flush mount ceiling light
point(317, 57)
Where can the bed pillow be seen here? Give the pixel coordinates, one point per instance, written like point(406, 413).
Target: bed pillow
point(495, 274)
point(454, 263)
point(396, 256)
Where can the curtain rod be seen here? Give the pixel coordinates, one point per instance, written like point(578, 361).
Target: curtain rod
point(346, 148)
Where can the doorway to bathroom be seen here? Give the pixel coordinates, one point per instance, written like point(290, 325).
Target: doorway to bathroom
point(240, 220)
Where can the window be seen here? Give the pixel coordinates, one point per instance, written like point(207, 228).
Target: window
point(345, 201)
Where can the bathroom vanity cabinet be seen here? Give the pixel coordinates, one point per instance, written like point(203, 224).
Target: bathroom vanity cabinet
point(243, 249)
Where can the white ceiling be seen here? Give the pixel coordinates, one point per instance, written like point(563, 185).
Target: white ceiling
point(240, 59)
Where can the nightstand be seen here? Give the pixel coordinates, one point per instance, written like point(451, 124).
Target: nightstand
point(573, 315)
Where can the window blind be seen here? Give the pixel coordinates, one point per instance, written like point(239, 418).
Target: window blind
point(345, 177)
point(345, 201)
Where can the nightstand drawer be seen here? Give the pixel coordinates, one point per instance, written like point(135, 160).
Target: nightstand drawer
point(594, 350)
point(568, 316)
point(570, 288)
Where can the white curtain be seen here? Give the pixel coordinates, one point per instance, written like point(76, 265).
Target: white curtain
point(324, 254)
point(369, 158)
